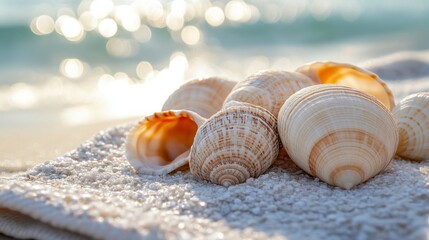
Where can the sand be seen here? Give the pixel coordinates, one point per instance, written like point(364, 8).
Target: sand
point(94, 192)
point(22, 149)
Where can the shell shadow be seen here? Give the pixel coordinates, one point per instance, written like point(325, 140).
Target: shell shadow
point(288, 203)
point(284, 203)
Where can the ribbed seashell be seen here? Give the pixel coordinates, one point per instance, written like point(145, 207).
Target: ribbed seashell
point(412, 117)
point(202, 96)
point(351, 76)
point(341, 135)
point(268, 89)
point(160, 143)
point(235, 144)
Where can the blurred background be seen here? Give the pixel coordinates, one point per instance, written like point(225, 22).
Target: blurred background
point(71, 68)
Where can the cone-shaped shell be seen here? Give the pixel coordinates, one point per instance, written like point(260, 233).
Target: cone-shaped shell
point(268, 89)
point(202, 96)
point(341, 135)
point(351, 76)
point(235, 144)
point(160, 143)
point(412, 117)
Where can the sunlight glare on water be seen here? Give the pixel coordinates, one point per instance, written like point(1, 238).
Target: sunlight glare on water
point(123, 58)
point(214, 16)
point(127, 18)
point(101, 8)
point(72, 68)
point(42, 25)
point(190, 35)
point(107, 27)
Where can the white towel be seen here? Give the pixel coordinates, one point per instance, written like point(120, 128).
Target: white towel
point(93, 192)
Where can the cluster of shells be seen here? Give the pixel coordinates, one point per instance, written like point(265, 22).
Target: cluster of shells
point(336, 121)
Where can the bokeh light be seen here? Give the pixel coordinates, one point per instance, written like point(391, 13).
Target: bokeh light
point(127, 18)
point(143, 69)
point(42, 25)
point(174, 22)
point(121, 47)
point(101, 8)
point(143, 34)
point(107, 27)
point(190, 35)
point(238, 11)
point(214, 16)
point(178, 62)
point(88, 21)
point(149, 44)
point(69, 27)
point(72, 68)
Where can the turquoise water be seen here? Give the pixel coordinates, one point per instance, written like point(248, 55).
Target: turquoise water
point(105, 81)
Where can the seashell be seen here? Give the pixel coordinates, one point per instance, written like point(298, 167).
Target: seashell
point(202, 96)
point(268, 89)
point(412, 117)
point(235, 144)
point(351, 76)
point(160, 143)
point(341, 135)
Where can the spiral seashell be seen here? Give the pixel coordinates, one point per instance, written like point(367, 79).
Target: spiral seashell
point(160, 143)
point(202, 96)
point(341, 135)
point(412, 117)
point(235, 144)
point(268, 89)
point(351, 76)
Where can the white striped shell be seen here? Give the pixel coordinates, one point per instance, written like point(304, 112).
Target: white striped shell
point(351, 76)
point(268, 89)
point(341, 135)
point(160, 143)
point(202, 96)
point(235, 144)
point(412, 117)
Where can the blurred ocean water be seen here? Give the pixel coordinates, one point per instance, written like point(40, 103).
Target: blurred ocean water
point(76, 62)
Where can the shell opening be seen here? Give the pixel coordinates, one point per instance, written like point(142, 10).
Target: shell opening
point(352, 77)
point(166, 139)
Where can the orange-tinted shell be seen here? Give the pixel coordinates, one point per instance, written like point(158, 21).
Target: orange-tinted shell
point(351, 76)
point(160, 143)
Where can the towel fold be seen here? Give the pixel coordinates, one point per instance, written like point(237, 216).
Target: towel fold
point(93, 192)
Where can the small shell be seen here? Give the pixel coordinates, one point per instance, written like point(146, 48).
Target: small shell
point(412, 117)
point(160, 143)
point(351, 76)
point(202, 96)
point(341, 135)
point(235, 144)
point(268, 89)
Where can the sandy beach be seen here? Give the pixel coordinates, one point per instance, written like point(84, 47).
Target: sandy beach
point(23, 149)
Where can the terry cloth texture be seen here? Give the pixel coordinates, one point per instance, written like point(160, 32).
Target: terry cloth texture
point(93, 192)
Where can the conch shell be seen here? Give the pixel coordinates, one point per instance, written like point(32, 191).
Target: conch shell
point(235, 144)
point(351, 76)
point(341, 135)
point(412, 117)
point(268, 89)
point(203, 96)
point(160, 143)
